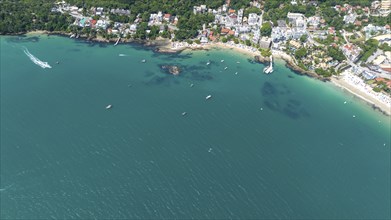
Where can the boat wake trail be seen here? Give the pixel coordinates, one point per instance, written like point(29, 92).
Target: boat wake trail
point(122, 55)
point(4, 189)
point(36, 60)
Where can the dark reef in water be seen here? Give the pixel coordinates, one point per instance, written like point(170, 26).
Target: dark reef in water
point(273, 94)
point(172, 69)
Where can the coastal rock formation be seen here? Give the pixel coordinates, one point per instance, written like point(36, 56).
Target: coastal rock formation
point(172, 69)
point(261, 59)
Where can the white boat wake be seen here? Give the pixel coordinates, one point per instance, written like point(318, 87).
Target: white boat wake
point(4, 189)
point(36, 60)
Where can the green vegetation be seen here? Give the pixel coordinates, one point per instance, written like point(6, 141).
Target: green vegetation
point(385, 47)
point(174, 7)
point(23, 16)
point(325, 73)
point(336, 54)
point(278, 9)
point(368, 48)
point(140, 33)
point(237, 4)
point(379, 20)
point(189, 26)
point(377, 89)
point(303, 38)
point(28, 15)
point(265, 53)
point(266, 29)
point(300, 53)
point(252, 10)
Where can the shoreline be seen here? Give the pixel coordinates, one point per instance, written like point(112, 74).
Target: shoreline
point(162, 45)
point(376, 104)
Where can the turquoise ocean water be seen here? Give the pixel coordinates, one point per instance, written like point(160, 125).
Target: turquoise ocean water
point(263, 147)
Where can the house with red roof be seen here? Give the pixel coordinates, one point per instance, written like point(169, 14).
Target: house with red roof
point(225, 31)
point(167, 17)
point(93, 23)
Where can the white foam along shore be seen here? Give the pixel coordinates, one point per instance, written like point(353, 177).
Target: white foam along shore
point(36, 60)
point(359, 88)
point(347, 80)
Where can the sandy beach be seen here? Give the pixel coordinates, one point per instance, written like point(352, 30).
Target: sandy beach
point(346, 81)
point(357, 87)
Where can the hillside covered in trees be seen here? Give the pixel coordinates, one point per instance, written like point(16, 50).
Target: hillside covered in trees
point(19, 16)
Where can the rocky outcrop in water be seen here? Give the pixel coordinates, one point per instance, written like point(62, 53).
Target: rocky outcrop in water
point(172, 69)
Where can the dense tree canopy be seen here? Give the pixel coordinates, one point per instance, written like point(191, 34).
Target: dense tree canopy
point(18, 16)
point(266, 29)
point(300, 53)
point(368, 48)
point(22, 16)
point(335, 53)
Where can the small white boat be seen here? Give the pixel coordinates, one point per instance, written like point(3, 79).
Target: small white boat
point(354, 116)
point(237, 62)
point(268, 69)
point(210, 150)
point(117, 41)
point(208, 63)
point(184, 113)
point(191, 85)
point(344, 102)
point(226, 68)
point(109, 107)
point(208, 97)
point(222, 61)
point(143, 61)
point(236, 73)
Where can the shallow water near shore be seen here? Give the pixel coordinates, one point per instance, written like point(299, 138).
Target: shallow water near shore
point(264, 146)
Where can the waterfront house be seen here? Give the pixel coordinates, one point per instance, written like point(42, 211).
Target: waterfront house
point(204, 40)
